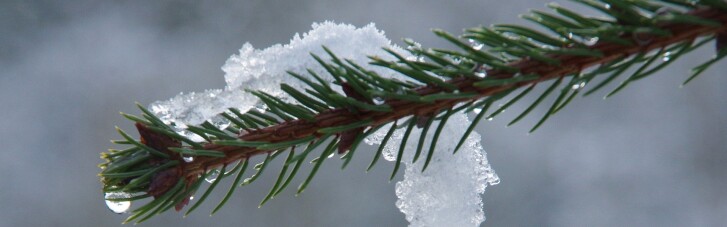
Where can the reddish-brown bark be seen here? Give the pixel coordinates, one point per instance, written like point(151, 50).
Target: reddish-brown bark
point(569, 64)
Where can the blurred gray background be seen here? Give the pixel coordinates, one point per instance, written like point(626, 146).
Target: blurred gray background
point(653, 155)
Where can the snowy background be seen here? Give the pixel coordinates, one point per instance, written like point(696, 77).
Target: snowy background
point(653, 155)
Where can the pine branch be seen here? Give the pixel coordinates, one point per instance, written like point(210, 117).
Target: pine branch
point(638, 33)
point(299, 129)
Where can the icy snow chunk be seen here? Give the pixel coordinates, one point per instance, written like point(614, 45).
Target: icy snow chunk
point(195, 107)
point(448, 192)
point(265, 70)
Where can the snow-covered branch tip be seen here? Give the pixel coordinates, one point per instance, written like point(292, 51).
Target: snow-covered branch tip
point(335, 100)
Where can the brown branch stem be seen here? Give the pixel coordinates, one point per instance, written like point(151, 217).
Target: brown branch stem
point(297, 129)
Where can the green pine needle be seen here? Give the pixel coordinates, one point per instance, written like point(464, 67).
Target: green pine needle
point(486, 64)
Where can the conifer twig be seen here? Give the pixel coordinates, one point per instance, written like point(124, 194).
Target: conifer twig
point(297, 129)
point(157, 165)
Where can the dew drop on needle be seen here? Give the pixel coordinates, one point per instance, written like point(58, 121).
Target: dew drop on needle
point(117, 206)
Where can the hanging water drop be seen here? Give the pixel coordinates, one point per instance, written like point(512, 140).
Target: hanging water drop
point(480, 71)
point(578, 86)
point(117, 206)
point(229, 171)
point(481, 74)
point(378, 100)
point(476, 45)
point(591, 41)
point(212, 176)
point(477, 110)
point(187, 158)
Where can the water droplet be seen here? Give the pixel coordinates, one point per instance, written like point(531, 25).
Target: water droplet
point(591, 41)
point(229, 170)
point(331, 155)
point(476, 45)
point(607, 6)
point(490, 118)
point(378, 100)
point(191, 198)
point(187, 158)
point(578, 86)
point(480, 71)
point(477, 110)
point(117, 206)
point(212, 176)
point(570, 35)
point(667, 56)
